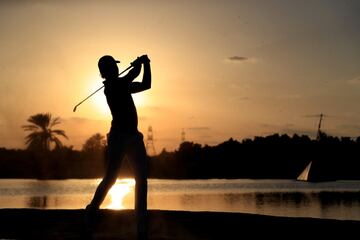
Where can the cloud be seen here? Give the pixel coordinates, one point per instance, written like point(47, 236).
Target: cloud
point(354, 81)
point(75, 119)
point(351, 127)
point(311, 116)
point(291, 129)
point(290, 96)
point(288, 128)
point(238, 58)
point(143, 118)
point(154, 108)
point(205, 136)
point(318, 116)
point(198, 128)
point(240, 98)
point(81, 120)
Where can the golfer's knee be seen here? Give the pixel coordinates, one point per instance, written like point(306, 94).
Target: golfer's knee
point(108, 181)
point(142, 182)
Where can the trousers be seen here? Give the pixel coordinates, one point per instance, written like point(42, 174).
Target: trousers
point(132, 146)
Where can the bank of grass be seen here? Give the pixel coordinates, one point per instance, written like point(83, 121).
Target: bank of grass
point(119, 224)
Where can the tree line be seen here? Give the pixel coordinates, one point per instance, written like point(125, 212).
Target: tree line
point(273, 156)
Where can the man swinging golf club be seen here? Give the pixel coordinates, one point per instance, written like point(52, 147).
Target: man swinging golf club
point(124, 139)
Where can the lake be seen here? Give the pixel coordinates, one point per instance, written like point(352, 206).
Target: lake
point(331, 200)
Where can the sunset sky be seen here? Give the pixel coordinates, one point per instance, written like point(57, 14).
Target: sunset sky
point(220, 69)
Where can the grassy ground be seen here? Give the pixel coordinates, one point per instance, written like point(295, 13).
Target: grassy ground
point(112, 224)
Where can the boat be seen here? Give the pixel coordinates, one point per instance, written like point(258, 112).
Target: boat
point(315, 172)
point(304, 175)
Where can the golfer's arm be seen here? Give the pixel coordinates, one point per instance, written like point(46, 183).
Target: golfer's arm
point(145, 84)
point(134, 72)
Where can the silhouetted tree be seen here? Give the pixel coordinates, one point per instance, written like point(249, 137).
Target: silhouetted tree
point(96, 143)
point(42, 134)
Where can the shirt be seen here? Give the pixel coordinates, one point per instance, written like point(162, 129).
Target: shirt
point(121, 104)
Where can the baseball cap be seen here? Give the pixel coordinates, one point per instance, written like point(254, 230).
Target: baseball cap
point(106, 61)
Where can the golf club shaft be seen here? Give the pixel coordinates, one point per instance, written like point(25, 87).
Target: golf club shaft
point(98, 90)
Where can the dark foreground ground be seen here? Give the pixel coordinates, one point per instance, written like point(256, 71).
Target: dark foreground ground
point(112, 224)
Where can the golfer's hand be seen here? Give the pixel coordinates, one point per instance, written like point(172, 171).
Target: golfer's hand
point(144, 59)
point(136, 62)
point(140, 60)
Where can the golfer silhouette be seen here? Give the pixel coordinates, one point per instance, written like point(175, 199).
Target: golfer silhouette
point(124, 139)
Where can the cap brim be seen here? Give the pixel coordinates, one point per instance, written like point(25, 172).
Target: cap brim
point(117, 61)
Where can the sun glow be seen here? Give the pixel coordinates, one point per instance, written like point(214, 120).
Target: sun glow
point(101, 104)
point(98, 99)
point(121, 189)
point(138, 99)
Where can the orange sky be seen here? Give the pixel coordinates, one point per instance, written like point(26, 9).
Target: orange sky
point(220, 69)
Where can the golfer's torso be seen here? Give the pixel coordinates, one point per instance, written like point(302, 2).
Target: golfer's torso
point(122, 107)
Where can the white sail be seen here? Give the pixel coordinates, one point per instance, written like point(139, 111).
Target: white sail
point(304, 175)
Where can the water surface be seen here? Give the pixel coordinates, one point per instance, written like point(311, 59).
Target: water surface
point(333, 200)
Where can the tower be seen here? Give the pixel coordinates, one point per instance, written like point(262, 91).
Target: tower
point(150, 148)
point(182, 136)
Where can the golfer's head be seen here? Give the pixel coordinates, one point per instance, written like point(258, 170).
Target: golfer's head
point(108, 67)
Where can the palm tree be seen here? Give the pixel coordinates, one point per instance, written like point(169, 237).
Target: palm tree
point(42, 134)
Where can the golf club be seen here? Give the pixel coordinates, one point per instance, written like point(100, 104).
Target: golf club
point(99, 89)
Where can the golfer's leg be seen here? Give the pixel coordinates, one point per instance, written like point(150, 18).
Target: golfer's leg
point(108, 180)
point(102, 190)
point(139, 160)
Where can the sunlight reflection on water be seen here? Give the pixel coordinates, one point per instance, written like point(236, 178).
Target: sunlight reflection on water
point(118, 192)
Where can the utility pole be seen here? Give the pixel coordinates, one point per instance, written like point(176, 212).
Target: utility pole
point(319, 128)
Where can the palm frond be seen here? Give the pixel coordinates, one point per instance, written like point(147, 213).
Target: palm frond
point(57, 142)
point(33, 137)
point(59, 132)
point(30, 127)
point(55, 121)
point(42, 120)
